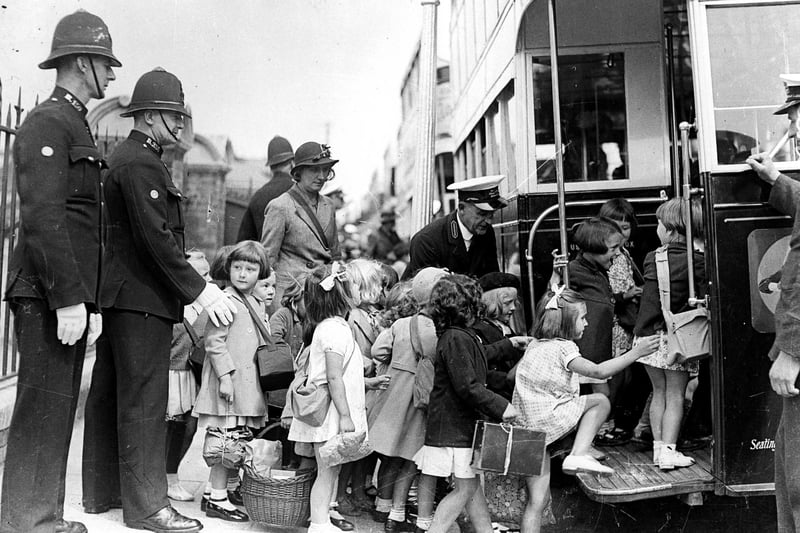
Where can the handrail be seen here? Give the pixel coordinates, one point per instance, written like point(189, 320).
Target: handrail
point(541, 218)
point(686, 201)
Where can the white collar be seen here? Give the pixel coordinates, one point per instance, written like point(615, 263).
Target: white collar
point(465, 233)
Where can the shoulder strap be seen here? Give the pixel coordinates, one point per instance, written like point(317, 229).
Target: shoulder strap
point(312, 215)
point(662, 269)
point(416, 342)
point(190, 330)
point(368, 337)
point(265, 336)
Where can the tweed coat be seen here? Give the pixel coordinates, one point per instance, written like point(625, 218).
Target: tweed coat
point(292, 242)
point(232, 349)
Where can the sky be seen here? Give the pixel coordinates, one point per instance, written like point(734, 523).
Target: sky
point(251, 69)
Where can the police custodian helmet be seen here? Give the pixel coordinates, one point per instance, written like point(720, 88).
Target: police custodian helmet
point(158, 90)
point(80, 33)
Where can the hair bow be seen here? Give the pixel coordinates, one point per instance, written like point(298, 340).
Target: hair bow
point(338, 271)
point(552, 303)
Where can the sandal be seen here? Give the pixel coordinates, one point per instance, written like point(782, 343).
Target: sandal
point(615, 437)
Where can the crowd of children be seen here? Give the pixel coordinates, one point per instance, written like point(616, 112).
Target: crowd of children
point(414, 365)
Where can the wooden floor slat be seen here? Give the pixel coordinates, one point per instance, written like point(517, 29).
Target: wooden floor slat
point(637, 478)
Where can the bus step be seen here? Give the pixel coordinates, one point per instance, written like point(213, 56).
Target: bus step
point(637, 478)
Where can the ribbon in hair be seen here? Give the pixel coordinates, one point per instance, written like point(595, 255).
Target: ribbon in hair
point(552, 303)
point(338, 271)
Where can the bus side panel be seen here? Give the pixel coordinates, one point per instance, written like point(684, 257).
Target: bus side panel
point(747, 241)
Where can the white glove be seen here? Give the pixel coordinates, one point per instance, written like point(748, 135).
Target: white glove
point(95, 328)
point(220, 308)
point(71, 323)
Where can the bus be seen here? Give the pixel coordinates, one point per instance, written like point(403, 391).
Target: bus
point(648, 89)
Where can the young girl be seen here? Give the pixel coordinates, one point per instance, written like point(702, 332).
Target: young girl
point(458, 399)
point(626, 285)
point(181, 426)
point(547, 392)
point(230, 396)
point(397, 426)
point(334, 358)
point(668, 379)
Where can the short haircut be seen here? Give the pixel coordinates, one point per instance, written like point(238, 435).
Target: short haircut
point(493, 300)
point(455, 301)
point(619, 210)
point(293, 292)
point(558, 323)
point(366, 277)
point(592, 234)
point(389, 275)
point(670, 214)
point(218, 271)
point(252, 252)
point(400, 303)
point(321, 304)
point(698, 225)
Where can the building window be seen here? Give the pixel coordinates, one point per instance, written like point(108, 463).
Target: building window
point(593, 118)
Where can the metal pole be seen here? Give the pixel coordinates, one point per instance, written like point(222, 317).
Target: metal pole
point(421, 207)
point(562, 214)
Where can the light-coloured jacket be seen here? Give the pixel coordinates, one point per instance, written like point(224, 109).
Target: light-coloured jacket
point(293, 244)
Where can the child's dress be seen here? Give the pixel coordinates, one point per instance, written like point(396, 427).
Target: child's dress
point(334, 335)
point(621, 278)
point(397, 428)
point(232, 348)
point(547, 393)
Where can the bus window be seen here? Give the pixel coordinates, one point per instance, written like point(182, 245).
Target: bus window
point(749, 46)
point(593, 119)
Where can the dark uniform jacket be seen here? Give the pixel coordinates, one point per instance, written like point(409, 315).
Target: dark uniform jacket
point(58, 254)
point(440, 244)
point(591, 282)
point(146, 269)
point(785, 197)
point(459, 397)
point(253, 218)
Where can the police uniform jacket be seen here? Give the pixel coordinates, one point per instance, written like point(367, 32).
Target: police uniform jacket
point(57, 258)
point(440, 244)
point(253, 218)
point(146, 269)
point(785, 197)
point(293, 244)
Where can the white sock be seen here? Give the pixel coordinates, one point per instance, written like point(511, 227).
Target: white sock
point(233, 482)
point(220, 497)
point(172, 479)
point(424, 523)
point(383, 505)
point(398, 515)
point(657, 449)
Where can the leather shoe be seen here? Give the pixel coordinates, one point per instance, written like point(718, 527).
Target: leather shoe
point(217, 511)
point(204, 502)
point(380, 516)
point(167, 520)
point(65, 526)
point(393, 526)
point(97, 508)
point(341, 523)
point(235, 496)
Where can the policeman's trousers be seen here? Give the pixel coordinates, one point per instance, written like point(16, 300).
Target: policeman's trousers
point(125, 430)
point(48, 385)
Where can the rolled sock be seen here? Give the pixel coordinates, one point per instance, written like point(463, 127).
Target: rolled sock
point(333, 513)
point(398, 515)
point(220, 497)
point(383, 505)
point(424, 523)
point(233, 482)
point(322, 528)
point(657, 449)
point(172, 479)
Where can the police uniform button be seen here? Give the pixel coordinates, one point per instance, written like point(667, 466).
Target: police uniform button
point(47, 151)
point(154, 194)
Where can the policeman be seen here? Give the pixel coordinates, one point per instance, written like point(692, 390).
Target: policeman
point(463, 241)
point(785, 352)
point(53, 273)
point(280, 157)
point(146, 283)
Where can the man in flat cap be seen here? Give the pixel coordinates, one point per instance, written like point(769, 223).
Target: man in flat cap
point(280, 159)
point(785, 352)
point(53, 274)
point(463, 241)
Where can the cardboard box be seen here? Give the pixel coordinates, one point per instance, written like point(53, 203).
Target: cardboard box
point(490, 446)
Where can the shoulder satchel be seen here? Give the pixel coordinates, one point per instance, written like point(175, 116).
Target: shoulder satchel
point(688, 336)
point(423, 379)
point(198, 354)
point(310, 403)
point(275, 369)
point(312, 215)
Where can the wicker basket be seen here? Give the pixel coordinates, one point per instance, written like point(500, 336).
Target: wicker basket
point(279, 502)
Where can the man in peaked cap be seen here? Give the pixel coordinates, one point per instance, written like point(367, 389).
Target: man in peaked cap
point(785, 352)
point(53, 274)
point(279, 159)
point(382, 242)
point(463, 241)
point(147, 281)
